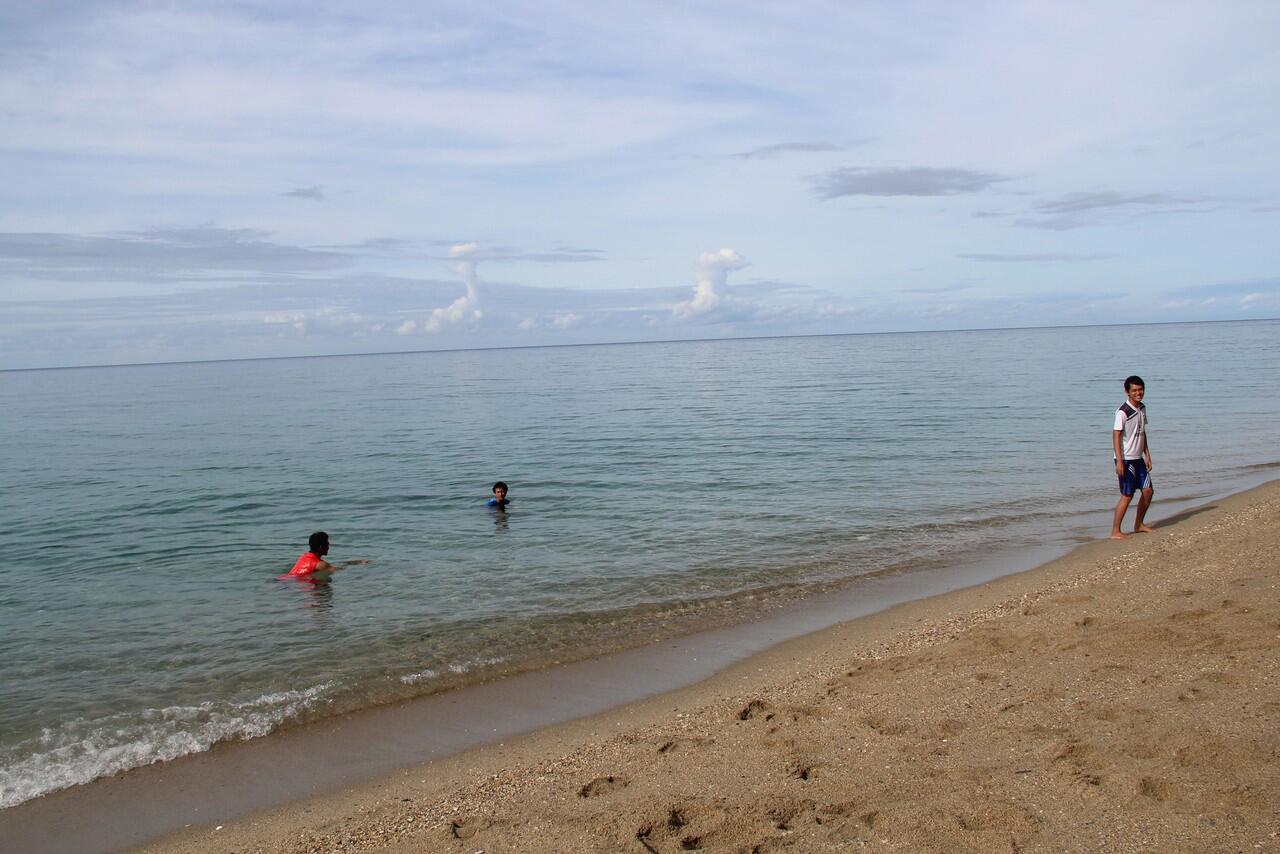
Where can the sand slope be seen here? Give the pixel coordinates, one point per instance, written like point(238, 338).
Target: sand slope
point(1125, 698)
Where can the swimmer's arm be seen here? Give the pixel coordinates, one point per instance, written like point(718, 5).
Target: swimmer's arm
point(334, 567)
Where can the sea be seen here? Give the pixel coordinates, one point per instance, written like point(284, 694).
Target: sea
point(149, 511)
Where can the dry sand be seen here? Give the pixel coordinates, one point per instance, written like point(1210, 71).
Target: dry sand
point(1124, 698)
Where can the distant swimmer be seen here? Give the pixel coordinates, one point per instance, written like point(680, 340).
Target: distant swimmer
point(312, 566)
point(1132, 453)
point(499, 500)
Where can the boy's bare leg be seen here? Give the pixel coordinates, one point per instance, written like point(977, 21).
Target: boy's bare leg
point(1143, 503)
point(1122, 507)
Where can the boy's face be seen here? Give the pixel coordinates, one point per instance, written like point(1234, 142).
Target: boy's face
point(1135, 393)
point(499, 493)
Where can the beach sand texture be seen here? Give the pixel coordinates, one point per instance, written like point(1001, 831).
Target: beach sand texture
point(1123, 698)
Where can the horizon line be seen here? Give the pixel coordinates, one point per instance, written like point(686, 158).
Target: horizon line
point(625, 343)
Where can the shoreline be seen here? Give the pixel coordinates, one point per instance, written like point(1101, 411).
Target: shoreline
point(440, 794)
point(236, 778)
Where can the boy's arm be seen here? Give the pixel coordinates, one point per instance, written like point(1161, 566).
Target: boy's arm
point(334, 567)
point(1116, 436)
point(1146, 448)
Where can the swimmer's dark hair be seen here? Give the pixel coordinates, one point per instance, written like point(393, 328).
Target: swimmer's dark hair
point(1132, 381)
point(500, 484)
point(318, 541)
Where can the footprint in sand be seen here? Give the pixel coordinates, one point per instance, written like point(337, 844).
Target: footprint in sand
point(884, 726)
point(464, 828)
point(802, 770)
point(676, 829)
point(756, 709)
point(676, 744)
point(785, 815)
point(603, 786)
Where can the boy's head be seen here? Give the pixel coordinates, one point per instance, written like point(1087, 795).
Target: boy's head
point(499, 490)
point(319, 543)
point(1134, 389)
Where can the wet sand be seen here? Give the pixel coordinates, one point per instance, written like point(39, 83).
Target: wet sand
point(1125, 697)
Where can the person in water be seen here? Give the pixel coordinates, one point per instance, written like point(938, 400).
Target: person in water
point(499, 500)
point(312, 566)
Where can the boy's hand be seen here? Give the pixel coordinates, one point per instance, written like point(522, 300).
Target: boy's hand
point(1120, 469)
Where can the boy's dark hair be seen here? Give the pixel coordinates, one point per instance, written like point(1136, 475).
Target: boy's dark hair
point(1132, 381)
point(500, 484)
point(318, 541)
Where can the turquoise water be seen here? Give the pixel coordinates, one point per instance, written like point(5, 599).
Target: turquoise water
point(656, 487)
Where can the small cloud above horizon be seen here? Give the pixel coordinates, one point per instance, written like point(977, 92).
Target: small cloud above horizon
point(559, 255)
point(315, 193)
point(1084, 209)
point(1031, 258)
point(1250, 287)
point(713, 271)
point(769, 152)
point(157, 254)
point(1078, 202)
point(919, 181)
point(944, 289)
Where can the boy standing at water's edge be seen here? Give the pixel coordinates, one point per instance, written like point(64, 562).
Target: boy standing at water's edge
point(1132, 454)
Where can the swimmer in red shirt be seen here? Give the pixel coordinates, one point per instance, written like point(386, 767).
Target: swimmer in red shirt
point(312, 566)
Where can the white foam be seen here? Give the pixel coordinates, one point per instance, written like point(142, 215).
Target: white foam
point(420, 676)
point(468, 666)
point(456, 668)
point(82, 750)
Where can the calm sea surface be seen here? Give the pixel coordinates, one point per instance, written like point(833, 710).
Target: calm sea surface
point(147, 511)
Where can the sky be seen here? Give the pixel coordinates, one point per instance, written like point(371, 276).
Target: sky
point(182, 181)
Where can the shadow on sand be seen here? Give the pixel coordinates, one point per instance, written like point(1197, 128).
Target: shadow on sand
point(1185, 514)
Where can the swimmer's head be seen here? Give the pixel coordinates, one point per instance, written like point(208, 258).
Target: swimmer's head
point(499, 490)
point(319, 543)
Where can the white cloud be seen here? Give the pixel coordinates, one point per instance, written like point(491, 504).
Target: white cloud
point(566, 321)
point(464, 309)
point(713, 270)
point(555, 321)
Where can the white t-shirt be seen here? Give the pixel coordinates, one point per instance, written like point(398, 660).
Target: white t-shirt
point(1134, 424)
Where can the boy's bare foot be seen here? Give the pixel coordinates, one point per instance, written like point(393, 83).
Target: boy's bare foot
point(1144, 529)
point(1119, 535)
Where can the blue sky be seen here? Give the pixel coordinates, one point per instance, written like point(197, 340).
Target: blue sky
point(180, 181)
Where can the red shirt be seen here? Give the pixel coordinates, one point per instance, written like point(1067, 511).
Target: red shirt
point(306, 564)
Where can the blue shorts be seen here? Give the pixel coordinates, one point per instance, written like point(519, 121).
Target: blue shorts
point(1135, 477)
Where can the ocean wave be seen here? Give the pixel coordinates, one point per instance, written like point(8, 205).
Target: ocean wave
point(81, 750)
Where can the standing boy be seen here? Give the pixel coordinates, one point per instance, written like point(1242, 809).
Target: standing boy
point(1133, 457)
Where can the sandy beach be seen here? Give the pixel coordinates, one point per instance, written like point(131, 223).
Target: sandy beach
point(1123, 698)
